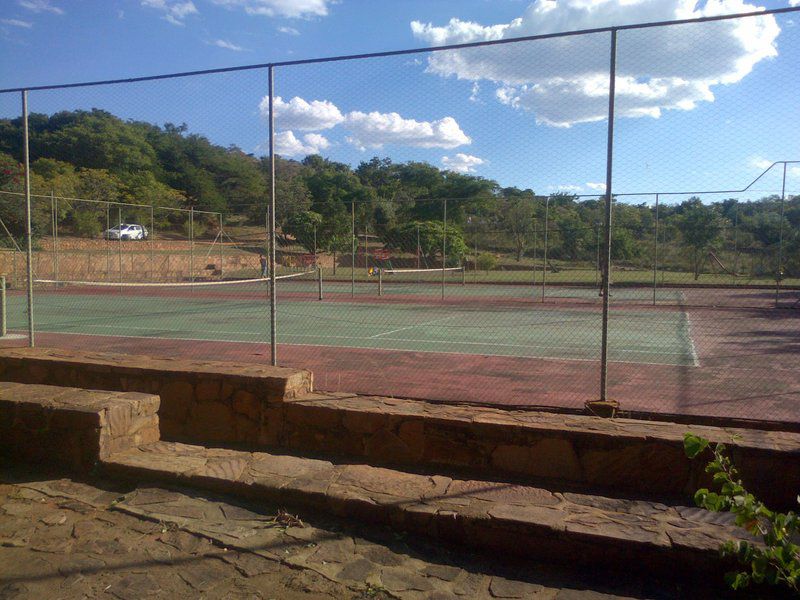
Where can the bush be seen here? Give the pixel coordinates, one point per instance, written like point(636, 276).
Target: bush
point(486, 261)
point(779, 561)
point(86, 224)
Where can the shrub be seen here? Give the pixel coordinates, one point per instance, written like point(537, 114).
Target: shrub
point(779, 561)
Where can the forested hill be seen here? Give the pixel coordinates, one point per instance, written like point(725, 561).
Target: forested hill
point(96, 155)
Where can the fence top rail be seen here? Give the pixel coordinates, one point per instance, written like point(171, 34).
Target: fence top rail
point(346, 57)
point(115, 203)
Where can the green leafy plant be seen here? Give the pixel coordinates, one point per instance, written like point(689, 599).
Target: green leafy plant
point(778, 561)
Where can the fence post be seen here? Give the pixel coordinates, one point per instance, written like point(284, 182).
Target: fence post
point(54, 209)
point(319, 282)
point(151, 238)
point(119, 245)
point(353, 242)
point(2, 307)
point(28, 233)
point(191, 245)
point(221, 250)
point(544, 256)
point(444, 244)
point(609, 202)
point(779, 274)
point(655, 254)
point(273, 322)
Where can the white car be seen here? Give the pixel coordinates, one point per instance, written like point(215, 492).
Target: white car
point(126, 231)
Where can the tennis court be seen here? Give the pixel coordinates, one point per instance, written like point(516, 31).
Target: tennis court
point(478, 326)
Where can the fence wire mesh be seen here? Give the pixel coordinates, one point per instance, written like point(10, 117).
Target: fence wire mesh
point(426, 243)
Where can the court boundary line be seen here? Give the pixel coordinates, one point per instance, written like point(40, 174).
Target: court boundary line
point(266, 343)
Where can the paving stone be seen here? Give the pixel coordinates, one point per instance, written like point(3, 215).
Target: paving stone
point(400, 580)
point(202, 576)
point(383, 556)
point(250, 565)
point(134, 587)
point(57, 518)
point(443, 572)
point(335, 551)
point(81, 564)
point(13, 591)
point(506, 588)
point(358, 570)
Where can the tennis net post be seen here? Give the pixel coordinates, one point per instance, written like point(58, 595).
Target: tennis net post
point(319, 282)
point(380, 282)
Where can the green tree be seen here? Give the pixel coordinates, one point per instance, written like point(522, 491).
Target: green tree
point(700, 228)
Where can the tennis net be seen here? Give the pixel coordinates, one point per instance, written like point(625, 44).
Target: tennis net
point(418, 280)
point(307, 281)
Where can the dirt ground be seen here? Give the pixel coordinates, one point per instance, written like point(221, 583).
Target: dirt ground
point(61, 538)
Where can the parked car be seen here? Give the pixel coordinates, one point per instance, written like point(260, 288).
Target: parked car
point(126, 231)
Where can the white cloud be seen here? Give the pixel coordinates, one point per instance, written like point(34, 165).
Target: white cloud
point(38, 6)
point(288, 30)
point(760, 163)
point(175, 11)
point(367, 130)
point(292, 9)
point(374, 129)
point(565, 188)
point(286, 144)
point(564, 81)
point(227, 45)
point(793, 172)
point(597, 187)
point(462, 163)
point(794, 2)
point(17, 23)
point(303, 115)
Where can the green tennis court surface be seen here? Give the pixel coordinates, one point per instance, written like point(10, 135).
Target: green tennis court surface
point(636, 336)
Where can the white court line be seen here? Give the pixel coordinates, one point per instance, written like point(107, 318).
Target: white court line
point(410, 340)
point(634, 350)
point(264, 343)
point(413, 326)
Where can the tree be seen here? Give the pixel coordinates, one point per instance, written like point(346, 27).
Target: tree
point(517, 214)
point(431, 239)
point(306, 228)
point(700, 228)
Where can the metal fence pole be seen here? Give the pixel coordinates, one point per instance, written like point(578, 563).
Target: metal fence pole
point(108, 239)
point(119, 245)
point(444, 244)
point(28, 233)
point(609, 201)
point(353, 242)
point(319, 282)
point(535, 232)
point(221, 249)
point(53, 209)
point(779, 274)
point(150, 236)
point(3, 329)
point(273, 321)
point(191, 245)
point(544, 256)
point(655, 254)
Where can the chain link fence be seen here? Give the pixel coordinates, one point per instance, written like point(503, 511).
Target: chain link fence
point(238, 214)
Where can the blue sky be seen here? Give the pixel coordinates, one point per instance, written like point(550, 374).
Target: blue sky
point(700, 106)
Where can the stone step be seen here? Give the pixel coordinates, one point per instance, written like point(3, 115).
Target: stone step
point(639, 457)
point(596, 532)
point(71, 427)
point(201, 401)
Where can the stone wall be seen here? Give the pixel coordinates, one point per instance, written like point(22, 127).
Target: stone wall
point(200, 401)
point(70, 427)
point(642, 457)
